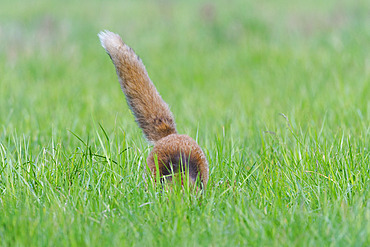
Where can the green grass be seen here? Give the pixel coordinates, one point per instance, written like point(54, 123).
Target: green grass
point(275, 92)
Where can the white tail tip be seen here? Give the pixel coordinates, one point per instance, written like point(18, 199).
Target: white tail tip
point(109, 40)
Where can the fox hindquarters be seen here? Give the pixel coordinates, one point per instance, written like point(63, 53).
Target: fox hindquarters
point(175, 153)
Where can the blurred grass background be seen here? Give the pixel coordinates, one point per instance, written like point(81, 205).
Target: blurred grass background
point(237, 62)
point(226, 68)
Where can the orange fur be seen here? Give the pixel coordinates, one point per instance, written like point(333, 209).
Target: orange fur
point(175, 153)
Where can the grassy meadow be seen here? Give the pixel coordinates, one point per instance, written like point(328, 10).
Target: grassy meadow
point(277, 93)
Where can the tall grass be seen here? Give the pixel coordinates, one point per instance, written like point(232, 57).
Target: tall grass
point(276, 93)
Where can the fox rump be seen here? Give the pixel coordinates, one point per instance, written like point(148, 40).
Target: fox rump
point(172, 153)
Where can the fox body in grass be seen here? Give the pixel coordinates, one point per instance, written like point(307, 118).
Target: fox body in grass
point(174, 153)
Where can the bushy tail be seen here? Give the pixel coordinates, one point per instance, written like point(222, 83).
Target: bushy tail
point(151, 113)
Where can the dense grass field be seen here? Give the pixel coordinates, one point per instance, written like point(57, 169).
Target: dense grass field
point(277, 93)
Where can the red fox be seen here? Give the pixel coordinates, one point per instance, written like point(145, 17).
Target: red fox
point(174, 153)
